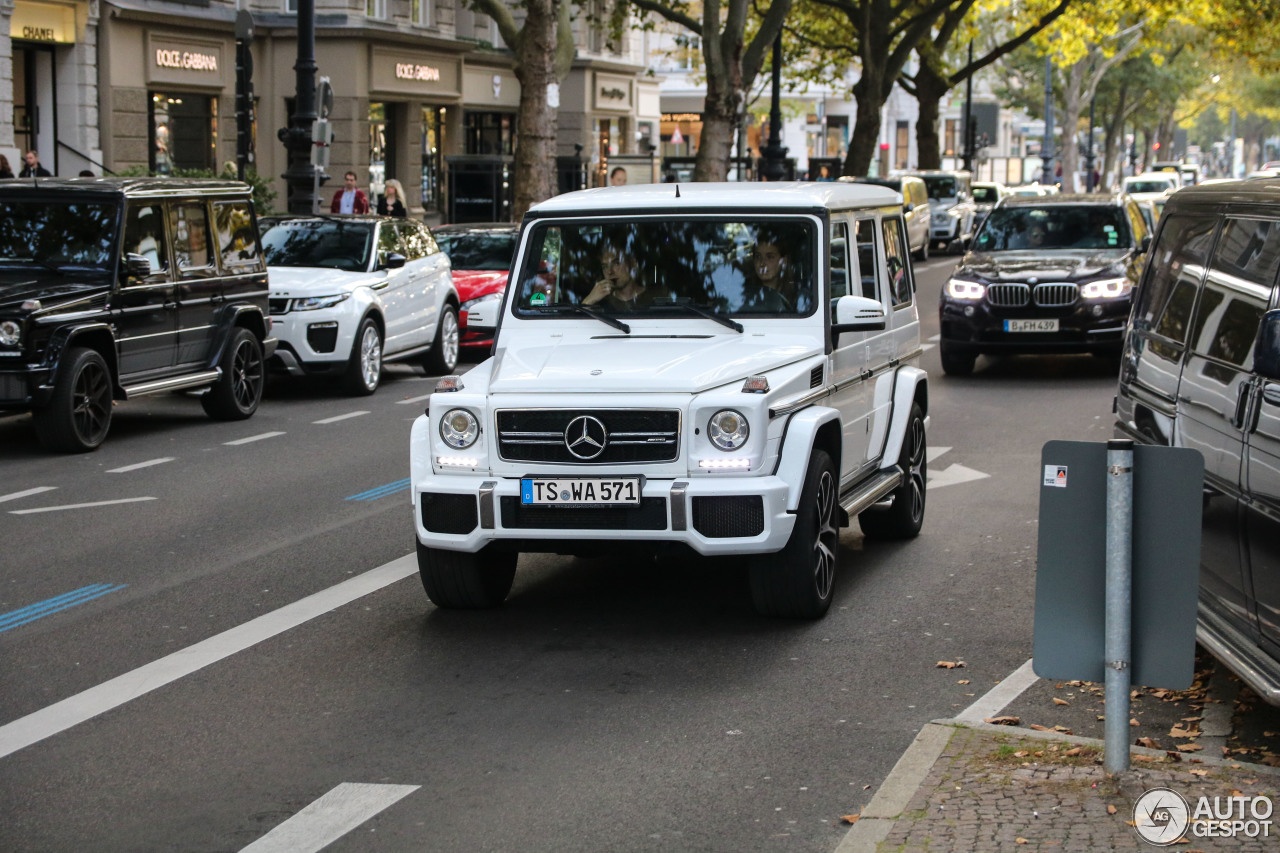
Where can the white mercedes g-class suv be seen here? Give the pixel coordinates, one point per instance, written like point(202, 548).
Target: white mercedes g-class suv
point(726, 369)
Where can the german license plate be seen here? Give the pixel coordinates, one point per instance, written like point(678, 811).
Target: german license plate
point(580, 491)
point(1050, 325)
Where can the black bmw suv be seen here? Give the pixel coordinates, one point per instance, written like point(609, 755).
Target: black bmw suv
point(1045, 274)
point(111, 289)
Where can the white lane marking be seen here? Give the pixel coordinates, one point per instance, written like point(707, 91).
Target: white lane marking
point(932, 453)
point(936, 338)
point(253, 438)
point(88, 704)
point(413, 400)
point(77, 506)
point(998, 697)
point(13, 496)
point(330, 817)
point(926, 347)
point(337, 418)
point(955, 473)
point(136, 466)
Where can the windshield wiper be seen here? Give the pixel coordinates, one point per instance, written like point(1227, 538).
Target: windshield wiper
point(702, 311)
point(590, 312)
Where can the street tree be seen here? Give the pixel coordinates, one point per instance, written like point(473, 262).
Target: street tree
point(1001, 26)
point(734, 41)
point(542, 52)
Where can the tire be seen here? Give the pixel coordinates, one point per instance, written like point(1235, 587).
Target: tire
point(238, 391)
point(78, 416)
point(443, 355)
point(904, 519)
point(456, 580)
point(923, 254)
point(955, 361)
point(797, 582)
point(364, 368)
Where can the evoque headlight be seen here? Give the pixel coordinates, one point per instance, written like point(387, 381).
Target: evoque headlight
point(313, 303)
point(958, 288)
point(10, 333)
point(459, 428)
point(728, 429)
point(1107, 288)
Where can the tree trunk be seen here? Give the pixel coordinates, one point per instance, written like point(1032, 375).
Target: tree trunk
point(538, 122)
point(930, 89)
point(1070, 121)
point(720, 115)
point(866, 126)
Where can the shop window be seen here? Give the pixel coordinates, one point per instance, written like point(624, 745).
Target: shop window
point(184, 132)
point(433, 127)
point(490, 133)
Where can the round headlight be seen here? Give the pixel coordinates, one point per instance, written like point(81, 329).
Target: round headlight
point(459, 428)
point(728, 429)
point(10, 333)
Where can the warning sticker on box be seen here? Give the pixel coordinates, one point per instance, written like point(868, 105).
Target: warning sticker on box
point(1055, 475)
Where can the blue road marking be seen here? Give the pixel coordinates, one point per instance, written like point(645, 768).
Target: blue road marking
point(32, 612)
point(381, 491)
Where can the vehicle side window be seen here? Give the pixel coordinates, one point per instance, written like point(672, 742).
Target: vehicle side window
point(1177, 265)
point(430, 246)
point(1241, 276)
point(144, 235)
point(868, 269)
point(411, 240)
point(189, 223)
point(839, 261)
point(388, 242)
point(895, 258)
point(237, 239)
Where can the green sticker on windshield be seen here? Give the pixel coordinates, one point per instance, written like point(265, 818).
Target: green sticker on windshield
point(538, 299)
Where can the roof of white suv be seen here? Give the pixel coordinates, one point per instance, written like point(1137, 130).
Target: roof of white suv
point(730, 195)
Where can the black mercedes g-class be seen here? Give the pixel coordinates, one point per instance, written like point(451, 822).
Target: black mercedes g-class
point(115, 288)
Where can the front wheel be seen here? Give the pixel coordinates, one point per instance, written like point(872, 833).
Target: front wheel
point(923, 254)
point(459, 581)
point(443, 355)
point(236, 394)
point(904, 518)
point(364, 368)
point(797, 582)
point(956, 362)
point(79, 413)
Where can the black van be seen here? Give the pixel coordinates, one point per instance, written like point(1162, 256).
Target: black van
point(1201, 369)
point(115, 288)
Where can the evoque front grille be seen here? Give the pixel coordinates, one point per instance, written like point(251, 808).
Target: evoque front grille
point(632, 435)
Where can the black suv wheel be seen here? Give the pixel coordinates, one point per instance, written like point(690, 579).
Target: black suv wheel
point(236, 394)
point(79, 414)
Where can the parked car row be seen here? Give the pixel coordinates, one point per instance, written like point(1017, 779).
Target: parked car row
point(112, 289)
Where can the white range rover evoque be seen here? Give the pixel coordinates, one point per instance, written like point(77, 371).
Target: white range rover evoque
point(726, 369)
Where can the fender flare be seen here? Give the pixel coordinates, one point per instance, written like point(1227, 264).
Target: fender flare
point(906, 386)
point(802, 434)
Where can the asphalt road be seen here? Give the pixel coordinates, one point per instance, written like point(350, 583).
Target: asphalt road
point(234, 633)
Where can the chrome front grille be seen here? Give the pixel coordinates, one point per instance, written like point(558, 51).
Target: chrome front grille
point(633, 435)
point(1056, 295)
point(1008, 295)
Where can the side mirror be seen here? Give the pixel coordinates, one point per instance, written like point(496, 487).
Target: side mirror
point(859, 314)
point(393, 261)
point(1266, 351)
point(908, 207)
point(136, 266)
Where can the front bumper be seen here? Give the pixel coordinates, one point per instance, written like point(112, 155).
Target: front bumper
point(712, 516)
point(314, 341)
point(1086, 326)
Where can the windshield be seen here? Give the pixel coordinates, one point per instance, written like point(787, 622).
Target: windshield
point(643, 267)
point(1054, 227)
point(319, 243)
point(75, 233)
point(1154, 186)
point(942, 186)
point(985, 195)
point(478, 250)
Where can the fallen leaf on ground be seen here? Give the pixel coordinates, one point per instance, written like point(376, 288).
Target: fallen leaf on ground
point(1148, 742)
point(1074, 751)
point(1021, 840)
point(1134, 722)
point(1189, 747)
point(1004, 721)
point(1058, 701)
point(1022, 753)
point(963, 681)
point(1179, 731)
point(950, 664)
point(1173, 756)
point(1038, 727)
point(1111, 809)
point(850, 818)
point(1063, 729)
point(1199, 772)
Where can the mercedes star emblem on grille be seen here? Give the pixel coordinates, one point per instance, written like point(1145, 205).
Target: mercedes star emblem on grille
point(585, 437)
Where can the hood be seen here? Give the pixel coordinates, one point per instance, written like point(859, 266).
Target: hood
point(316, 281)
point(642, 364)
point(473, 283)
point(50, 288)
point(1058, 265)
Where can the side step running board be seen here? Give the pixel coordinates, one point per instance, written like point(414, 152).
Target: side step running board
point(174, 383)
point(870, 491)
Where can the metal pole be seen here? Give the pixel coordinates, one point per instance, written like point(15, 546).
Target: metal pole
point(1119, 603)
point(1046, 147)
point(774, 167)
point(301, 175)
point(968, 137)
point(1088, 159)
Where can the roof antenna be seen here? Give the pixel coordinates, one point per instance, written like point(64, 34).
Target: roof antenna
point(677, 191)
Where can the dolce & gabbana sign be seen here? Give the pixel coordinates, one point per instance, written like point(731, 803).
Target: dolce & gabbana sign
point(404, 72)
point(186, 61)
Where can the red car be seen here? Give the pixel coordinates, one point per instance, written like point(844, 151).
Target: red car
point(480, 254)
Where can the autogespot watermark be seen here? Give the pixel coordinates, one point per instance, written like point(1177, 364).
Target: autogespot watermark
point(1163, 816)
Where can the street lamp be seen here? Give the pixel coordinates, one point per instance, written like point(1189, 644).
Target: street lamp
point(774, 167)
point(301, 174)
point(1046, 147)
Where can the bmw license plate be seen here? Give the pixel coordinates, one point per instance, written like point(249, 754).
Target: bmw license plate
point(580, 491)
point(1046, 325)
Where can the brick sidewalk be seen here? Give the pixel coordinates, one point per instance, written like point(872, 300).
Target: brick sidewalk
point(993, 790)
